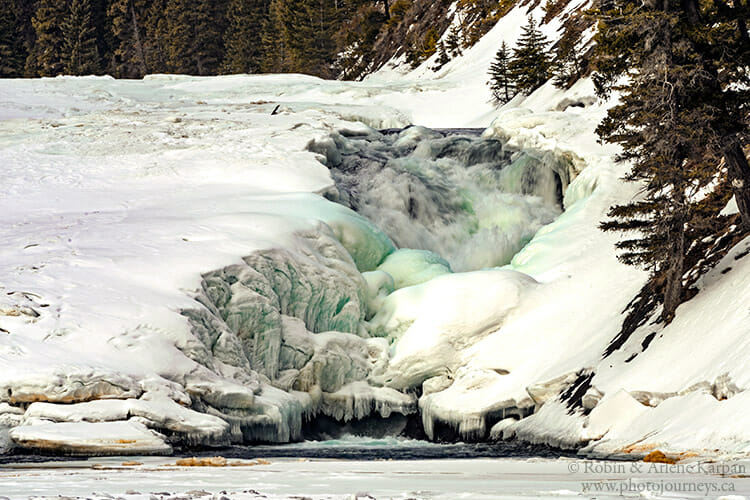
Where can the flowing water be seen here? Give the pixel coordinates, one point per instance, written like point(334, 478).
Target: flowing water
point(465, 197)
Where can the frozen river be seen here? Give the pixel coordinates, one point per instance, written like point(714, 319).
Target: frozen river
point(288, 478)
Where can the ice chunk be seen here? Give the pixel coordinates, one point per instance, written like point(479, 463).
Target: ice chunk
point(379, 285)
point(412, 267)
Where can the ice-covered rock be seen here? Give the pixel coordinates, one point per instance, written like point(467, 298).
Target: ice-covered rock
point(504, 429)
point(160, 413)
point(468, 408)
point(433, 323)
point(83, 438)
point(316, 282)
point(68, 384)
point(358, 400)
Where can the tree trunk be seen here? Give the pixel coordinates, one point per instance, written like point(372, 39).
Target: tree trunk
point(673, 285)
point(739, 176)
point(138, 43)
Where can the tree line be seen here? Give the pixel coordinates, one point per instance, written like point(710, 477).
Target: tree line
point(132, 38)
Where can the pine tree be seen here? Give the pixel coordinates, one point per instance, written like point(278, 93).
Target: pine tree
point(80, 55)
point(11, 46)
point(45, 57)
point(355, 40)
point(718, 33)
point(501, 81)
point(244, 37)
point(530, 64)
point(25, 10)
point(105, 39)
point(663, 93)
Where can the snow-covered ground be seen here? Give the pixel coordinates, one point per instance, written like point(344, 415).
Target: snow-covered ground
point(172, 274)
point(481, 479)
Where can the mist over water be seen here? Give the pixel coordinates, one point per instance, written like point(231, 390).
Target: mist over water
point(465, 197)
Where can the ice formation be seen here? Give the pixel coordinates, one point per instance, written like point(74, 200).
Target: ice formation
point(174, 274)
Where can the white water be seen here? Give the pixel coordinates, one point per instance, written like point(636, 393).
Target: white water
point(463, 197)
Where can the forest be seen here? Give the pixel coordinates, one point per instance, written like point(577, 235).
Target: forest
point(132, 38)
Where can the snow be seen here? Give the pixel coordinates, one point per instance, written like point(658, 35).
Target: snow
point(172, 262)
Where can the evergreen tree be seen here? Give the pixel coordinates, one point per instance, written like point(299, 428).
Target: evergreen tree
point(720, 32)
point(80, 55)
point(453, 42)
point(717, 33)
point(355, 40)
point(244, 37)
point(501, 80)
point(568, 64)
point(11, 47)
point(194, 28)
point(25, 10)
point(45, 57)
point(105, 40)
point(664, 91)
point(156, 40)
point(275, 55)
point(530, 64)
point(306, 31)
point(443, 57)
point(127, 17)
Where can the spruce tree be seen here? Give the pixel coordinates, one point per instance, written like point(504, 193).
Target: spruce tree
point(11, 46)
point(501, 81)
point(275, 57)
point(531, 64)
point(659, 123)
point(80, 54)
point(46, 56)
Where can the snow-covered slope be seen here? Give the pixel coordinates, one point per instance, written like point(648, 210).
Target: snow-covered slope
point(172, 273)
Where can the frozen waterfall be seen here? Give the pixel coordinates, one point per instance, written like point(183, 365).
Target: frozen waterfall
point(464, 197)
